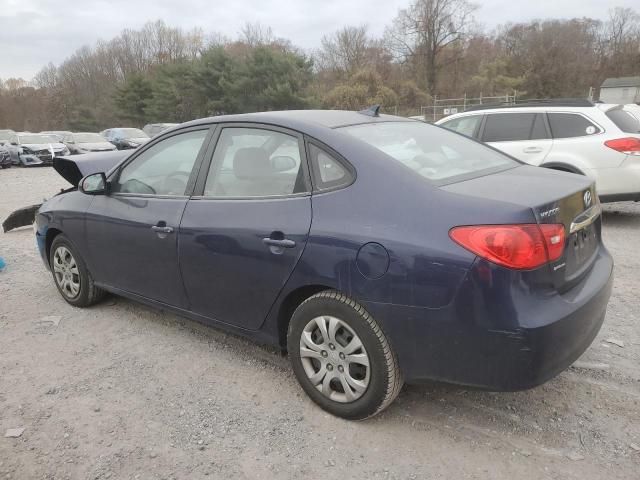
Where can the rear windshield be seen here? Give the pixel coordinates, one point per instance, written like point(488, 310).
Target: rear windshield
point(625, 121)
point(434, 152)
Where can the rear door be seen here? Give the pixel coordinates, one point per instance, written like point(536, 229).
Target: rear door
point(522, 135)
point(242, 236)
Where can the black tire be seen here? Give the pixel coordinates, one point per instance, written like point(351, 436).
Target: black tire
point(384, 376)
point(88, 293)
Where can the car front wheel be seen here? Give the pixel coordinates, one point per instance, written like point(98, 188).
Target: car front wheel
point(70, 274)
point(341, 357)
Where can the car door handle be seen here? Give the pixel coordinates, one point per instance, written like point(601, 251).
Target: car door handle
point(532, 150)
point(159, 229)
point(284, 243)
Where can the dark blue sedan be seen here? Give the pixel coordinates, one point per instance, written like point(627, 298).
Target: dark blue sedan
point(376, 250)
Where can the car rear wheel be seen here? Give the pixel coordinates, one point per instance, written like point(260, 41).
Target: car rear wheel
point(341, 357)
point(70, 274)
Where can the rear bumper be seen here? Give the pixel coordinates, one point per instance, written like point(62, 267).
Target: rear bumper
point(462, 345)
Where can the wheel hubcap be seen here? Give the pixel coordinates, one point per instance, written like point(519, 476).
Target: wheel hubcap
point(66, 273)
point(334, 359)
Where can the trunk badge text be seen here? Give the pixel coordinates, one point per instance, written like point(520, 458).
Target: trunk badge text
point(550, 213)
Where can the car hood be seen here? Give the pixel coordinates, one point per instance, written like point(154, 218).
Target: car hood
point(74, 168)
point(43, 146)
point(97, 146)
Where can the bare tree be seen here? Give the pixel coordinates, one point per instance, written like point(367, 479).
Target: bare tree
point(256, 34)
point(424, 30)
point(346, 50)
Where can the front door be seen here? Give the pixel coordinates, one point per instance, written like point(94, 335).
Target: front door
point(241, 239)
point(132, 232)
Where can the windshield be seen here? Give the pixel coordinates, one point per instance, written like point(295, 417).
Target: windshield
point(131, 133)
point(88, 138)
point(433, 152)
point(38, 139)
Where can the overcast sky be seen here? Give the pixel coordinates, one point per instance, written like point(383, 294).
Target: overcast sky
point(35, 32)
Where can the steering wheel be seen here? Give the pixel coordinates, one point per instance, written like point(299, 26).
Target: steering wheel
point(176, 183)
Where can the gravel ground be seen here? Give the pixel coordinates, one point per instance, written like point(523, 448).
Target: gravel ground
point(123, 391)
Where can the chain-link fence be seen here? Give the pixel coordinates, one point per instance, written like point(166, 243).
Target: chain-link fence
point(443, 107)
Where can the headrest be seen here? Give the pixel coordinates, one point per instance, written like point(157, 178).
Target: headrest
point(251, 163)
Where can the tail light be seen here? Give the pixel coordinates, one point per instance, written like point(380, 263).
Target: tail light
point(521, 247)
point(628, 146)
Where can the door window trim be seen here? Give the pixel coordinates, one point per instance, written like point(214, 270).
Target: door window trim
point(114, 174)
point(198, 191)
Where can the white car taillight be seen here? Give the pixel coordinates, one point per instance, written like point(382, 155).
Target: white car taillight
point(628, 146)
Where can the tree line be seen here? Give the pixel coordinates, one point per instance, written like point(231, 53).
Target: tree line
point(431, 48)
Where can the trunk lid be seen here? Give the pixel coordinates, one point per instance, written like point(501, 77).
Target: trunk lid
point(554, 197)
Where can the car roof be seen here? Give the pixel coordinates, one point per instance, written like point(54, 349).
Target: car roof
point(300, 118)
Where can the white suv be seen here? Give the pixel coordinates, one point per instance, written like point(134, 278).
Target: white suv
point(601, 141)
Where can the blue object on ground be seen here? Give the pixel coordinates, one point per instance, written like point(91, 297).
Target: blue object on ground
point(2, 264)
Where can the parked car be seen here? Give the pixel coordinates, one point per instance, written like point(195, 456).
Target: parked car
point(85, 142)
point(125, 138)
point(5, 156)
point(600, 141)
point(35, 149)
point(153, 129)
point(430, 255)
point(5, 136)
point(59, 134)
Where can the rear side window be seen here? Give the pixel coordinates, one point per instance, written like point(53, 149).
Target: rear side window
point(511, 127)
point(625, 121)
point(465, 125)
point(328, 172)
point(569, 125)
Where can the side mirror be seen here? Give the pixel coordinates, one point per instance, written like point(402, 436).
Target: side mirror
point(282, 163)
point(94, 184)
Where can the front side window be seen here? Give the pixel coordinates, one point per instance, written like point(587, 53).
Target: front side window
point(509, 127)
point(252, 162)
point(164, 168)
point(465, 125)
point(434, 153)
point(569, 125)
